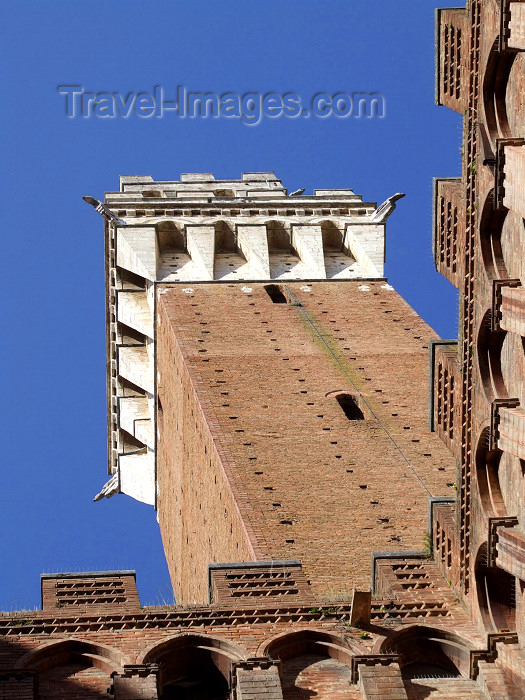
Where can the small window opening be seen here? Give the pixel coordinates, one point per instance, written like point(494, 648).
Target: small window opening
point(349, 404)
point(275, 294)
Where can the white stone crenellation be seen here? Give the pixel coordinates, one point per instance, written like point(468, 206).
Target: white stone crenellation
point(199, 229)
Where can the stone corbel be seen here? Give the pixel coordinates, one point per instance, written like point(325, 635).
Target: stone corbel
point(494, 524)
point(371, 660)
point(499, 172)
point(496, 301)
point(494, 419)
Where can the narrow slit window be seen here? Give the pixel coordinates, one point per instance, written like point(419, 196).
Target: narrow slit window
point(275, 293)
point(350, 406)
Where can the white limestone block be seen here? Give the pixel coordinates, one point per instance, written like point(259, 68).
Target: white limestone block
point(253, 243)
point(366, 243)
point(135, 418)
point(308, 242)
point(137, 250)
point(134, 310)
point(200, 241)
point(137, 476)
point(134, 364)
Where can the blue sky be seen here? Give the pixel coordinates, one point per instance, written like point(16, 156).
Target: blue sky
point(53, 347)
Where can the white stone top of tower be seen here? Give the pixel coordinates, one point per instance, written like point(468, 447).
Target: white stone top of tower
point(199, 229)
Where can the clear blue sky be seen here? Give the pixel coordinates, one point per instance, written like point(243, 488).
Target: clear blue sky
point(53, 347)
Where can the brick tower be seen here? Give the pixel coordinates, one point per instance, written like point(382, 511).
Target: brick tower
point(258, 373)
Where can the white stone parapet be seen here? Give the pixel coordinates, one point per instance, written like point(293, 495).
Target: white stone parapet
point(199, 229)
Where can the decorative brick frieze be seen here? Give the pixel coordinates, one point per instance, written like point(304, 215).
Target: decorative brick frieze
point(452, 44)
point(244, 584)
point(449, 228)
point(104, 591)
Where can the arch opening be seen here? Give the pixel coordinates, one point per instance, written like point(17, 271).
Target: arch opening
point(496, 591)
point(490, 229)
point(422, 649)
point(225, 240)
point(487, 472)
point(350, 406)
point(489, 346)
point(193, 667)
point(275, 293)
point(171, 238)
point(497, 71)
point(332, 236)
point(313, 663)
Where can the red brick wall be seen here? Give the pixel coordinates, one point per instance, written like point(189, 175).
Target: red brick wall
point(245, 411)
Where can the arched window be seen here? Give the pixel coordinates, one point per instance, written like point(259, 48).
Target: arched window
point(275, 293)
point(349, 404)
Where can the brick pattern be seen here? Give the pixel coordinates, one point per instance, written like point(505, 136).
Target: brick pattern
point(445, 403)
point(94, 592)
point(414, 582)
point(511, 658)
point(309, 675)
point(495, 683)
point(249, 586)
point(380, 682)
point(445, 543)
point(135, 684)
point(449, 229)
point(242, 394)
point(79, 654)
point(453, 59)
point(511, 431)
point(491, 320)
point(15, 686)
point(258, 683)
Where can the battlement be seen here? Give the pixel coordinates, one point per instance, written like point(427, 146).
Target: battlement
point(198, 230)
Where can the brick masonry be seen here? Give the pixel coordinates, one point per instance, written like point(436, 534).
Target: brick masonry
point(257, 459)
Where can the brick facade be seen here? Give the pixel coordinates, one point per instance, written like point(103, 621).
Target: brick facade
point(256, 385)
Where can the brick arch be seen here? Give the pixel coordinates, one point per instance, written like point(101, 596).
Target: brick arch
point(53, 654)
point(289, 644)
point(193, 656)
point(188, 639)
point(489, 346)
point(419, 643)
point(487, 475)
point(495, 78)
point(496, 593)
point(490, 229)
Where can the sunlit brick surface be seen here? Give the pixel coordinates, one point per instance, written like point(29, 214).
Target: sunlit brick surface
point(256, 461)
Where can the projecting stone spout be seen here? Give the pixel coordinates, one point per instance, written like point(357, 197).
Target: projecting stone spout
point(382, 213)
